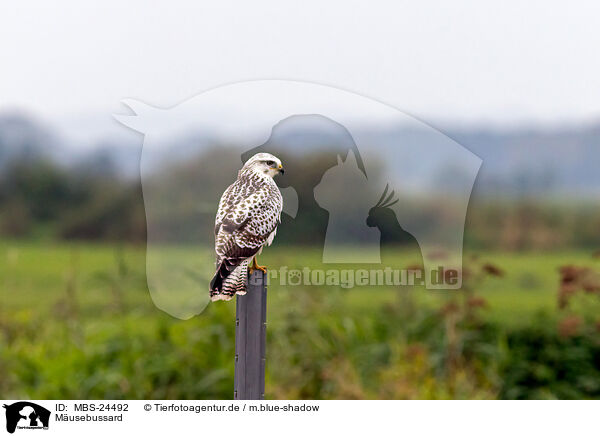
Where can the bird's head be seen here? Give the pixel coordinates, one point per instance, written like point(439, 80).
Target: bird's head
point(264, 163)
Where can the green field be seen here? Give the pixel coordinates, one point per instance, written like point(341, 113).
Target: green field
point(77, 321)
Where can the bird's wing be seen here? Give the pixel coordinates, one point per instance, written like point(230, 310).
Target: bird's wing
point(242, 228)
point(245, 220)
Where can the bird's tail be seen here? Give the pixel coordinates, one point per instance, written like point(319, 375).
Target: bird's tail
point(226, 282)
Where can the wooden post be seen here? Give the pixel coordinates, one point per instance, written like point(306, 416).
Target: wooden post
point(250, 340)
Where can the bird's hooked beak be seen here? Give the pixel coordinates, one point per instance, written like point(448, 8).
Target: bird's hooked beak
point(280, 168)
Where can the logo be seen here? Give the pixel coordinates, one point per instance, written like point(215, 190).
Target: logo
point(26, 415)
point(363, 182)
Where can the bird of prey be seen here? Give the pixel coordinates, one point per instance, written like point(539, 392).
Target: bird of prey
point(247, 219)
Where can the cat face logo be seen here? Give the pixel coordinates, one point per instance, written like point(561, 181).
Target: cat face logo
point(26, 415)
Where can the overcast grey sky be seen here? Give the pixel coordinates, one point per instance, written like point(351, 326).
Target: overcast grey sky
point(467, 61)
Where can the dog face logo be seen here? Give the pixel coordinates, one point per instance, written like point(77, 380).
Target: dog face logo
point(26, 415)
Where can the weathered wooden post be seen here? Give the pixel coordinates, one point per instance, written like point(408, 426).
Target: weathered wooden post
point(250, 340)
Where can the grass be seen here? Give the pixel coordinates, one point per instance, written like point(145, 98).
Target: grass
point(77, 321)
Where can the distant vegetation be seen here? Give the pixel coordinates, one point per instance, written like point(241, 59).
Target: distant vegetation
point(42, 199)
point(525, 197)
point(77, 320)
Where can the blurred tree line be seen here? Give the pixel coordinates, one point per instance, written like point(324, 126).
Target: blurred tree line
point(43, 199)
point(47, 191)
point(40, 199)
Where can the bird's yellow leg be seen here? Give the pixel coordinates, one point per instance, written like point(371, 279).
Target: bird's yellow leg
point(255, 266)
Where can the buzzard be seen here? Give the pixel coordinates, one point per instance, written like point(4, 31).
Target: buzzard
point(247, 219)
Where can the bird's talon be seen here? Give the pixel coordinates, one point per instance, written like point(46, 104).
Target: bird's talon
point(255, 266)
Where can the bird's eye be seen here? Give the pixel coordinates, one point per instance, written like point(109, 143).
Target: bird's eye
point(270, 163)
